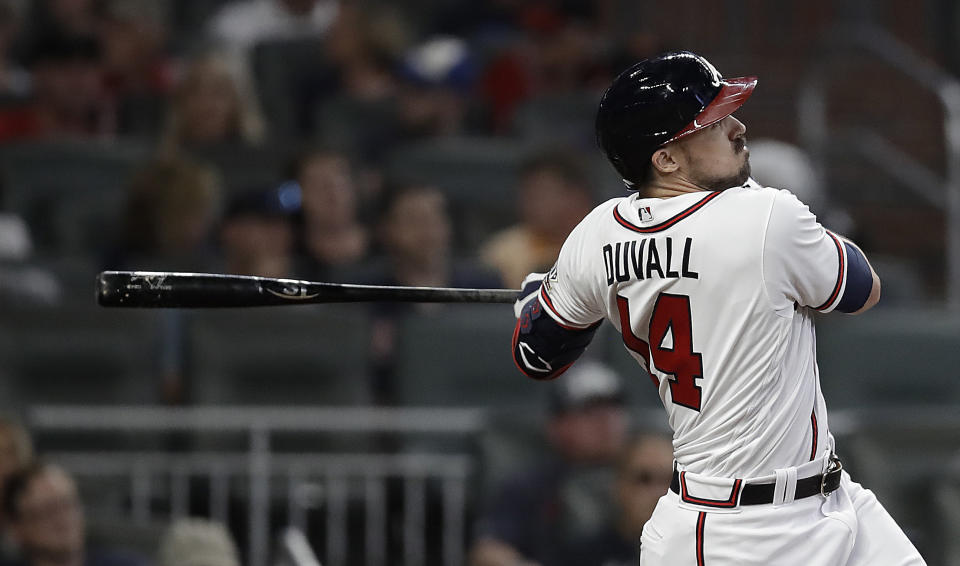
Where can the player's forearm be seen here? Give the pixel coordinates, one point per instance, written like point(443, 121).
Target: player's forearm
point(542, 347)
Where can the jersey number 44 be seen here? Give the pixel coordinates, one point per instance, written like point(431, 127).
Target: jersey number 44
point(683, 366)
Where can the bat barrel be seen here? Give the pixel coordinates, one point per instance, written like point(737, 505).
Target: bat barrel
point(145, 289)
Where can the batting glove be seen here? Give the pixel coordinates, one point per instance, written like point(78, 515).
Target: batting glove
point(528, 290)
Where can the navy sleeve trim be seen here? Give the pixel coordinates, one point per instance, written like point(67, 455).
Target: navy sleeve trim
point(859, 281)
point(839, 283)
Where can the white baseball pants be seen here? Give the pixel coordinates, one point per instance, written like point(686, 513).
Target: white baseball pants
point(847, 528)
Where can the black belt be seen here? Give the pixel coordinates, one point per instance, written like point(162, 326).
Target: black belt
point(762, 493)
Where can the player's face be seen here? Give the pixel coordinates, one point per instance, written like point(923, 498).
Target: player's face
point(716, 158)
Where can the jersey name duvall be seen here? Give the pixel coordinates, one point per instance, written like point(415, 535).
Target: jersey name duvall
point(641, 260)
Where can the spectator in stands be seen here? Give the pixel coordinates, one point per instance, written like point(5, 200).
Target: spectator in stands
point(554, 195)
point(257, 232)
point(363, 46)
point(68, 97)
point(537, 513)
point(47, 521)
point(415, 233)
point(244, 24)
point(209, 107)
point(361, 51)
point(558, 50)
point(15, 83)
point(332, 236)
point(197, 542)
point(644, 471)
point(239, 26)
point(137, 73)
point(438, 77)
point(67, 17)
point(16, 453)
point(171, 212)
point(22, 282)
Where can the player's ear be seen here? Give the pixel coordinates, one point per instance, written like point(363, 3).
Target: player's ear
point(664, 161)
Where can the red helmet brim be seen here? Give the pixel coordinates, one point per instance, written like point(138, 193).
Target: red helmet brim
point(732, 95)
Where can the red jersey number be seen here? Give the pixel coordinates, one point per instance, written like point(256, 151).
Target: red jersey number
point(671, 314)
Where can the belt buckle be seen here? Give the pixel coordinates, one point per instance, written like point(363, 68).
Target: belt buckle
point(834, 467)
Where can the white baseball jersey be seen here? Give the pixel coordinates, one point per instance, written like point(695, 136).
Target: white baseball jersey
point(713, 293)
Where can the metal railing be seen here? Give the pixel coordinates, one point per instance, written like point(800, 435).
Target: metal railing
point(297, 548)
point(815, 132)
point(304, 476)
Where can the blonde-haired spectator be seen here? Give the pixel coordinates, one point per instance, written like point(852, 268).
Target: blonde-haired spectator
point(210, 106)
point(197, 542)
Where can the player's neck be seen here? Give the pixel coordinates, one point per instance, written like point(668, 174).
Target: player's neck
point(667, 187)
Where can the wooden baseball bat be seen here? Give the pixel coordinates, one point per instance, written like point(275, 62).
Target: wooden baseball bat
point(153, 289)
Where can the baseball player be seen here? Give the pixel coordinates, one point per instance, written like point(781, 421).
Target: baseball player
point(713, 281)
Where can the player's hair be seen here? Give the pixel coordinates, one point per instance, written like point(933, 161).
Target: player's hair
point(566, 164)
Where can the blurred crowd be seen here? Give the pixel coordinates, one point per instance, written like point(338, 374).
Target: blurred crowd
point(581, 501)
point(270, 125)
point(43, 522)
point(279, 76)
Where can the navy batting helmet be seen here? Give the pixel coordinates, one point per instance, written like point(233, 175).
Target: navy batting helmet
point(659, 100)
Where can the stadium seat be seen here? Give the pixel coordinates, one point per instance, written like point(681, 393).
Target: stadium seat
point(189, 17)
point(363, 128)
point(460, 356)
point(245, 167)
point(303, 356)
point(78, 355)
point(70, 193)
point(286, 73)
point(479, 176)
point(559, 118)
point(889, 357)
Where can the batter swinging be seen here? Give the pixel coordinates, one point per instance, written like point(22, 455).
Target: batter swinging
point(712, 281)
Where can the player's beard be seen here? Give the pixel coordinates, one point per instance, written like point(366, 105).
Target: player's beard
point(727, 182)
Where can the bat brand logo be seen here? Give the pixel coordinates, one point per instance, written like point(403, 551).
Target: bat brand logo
point(293, 290)
point(152, 281)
